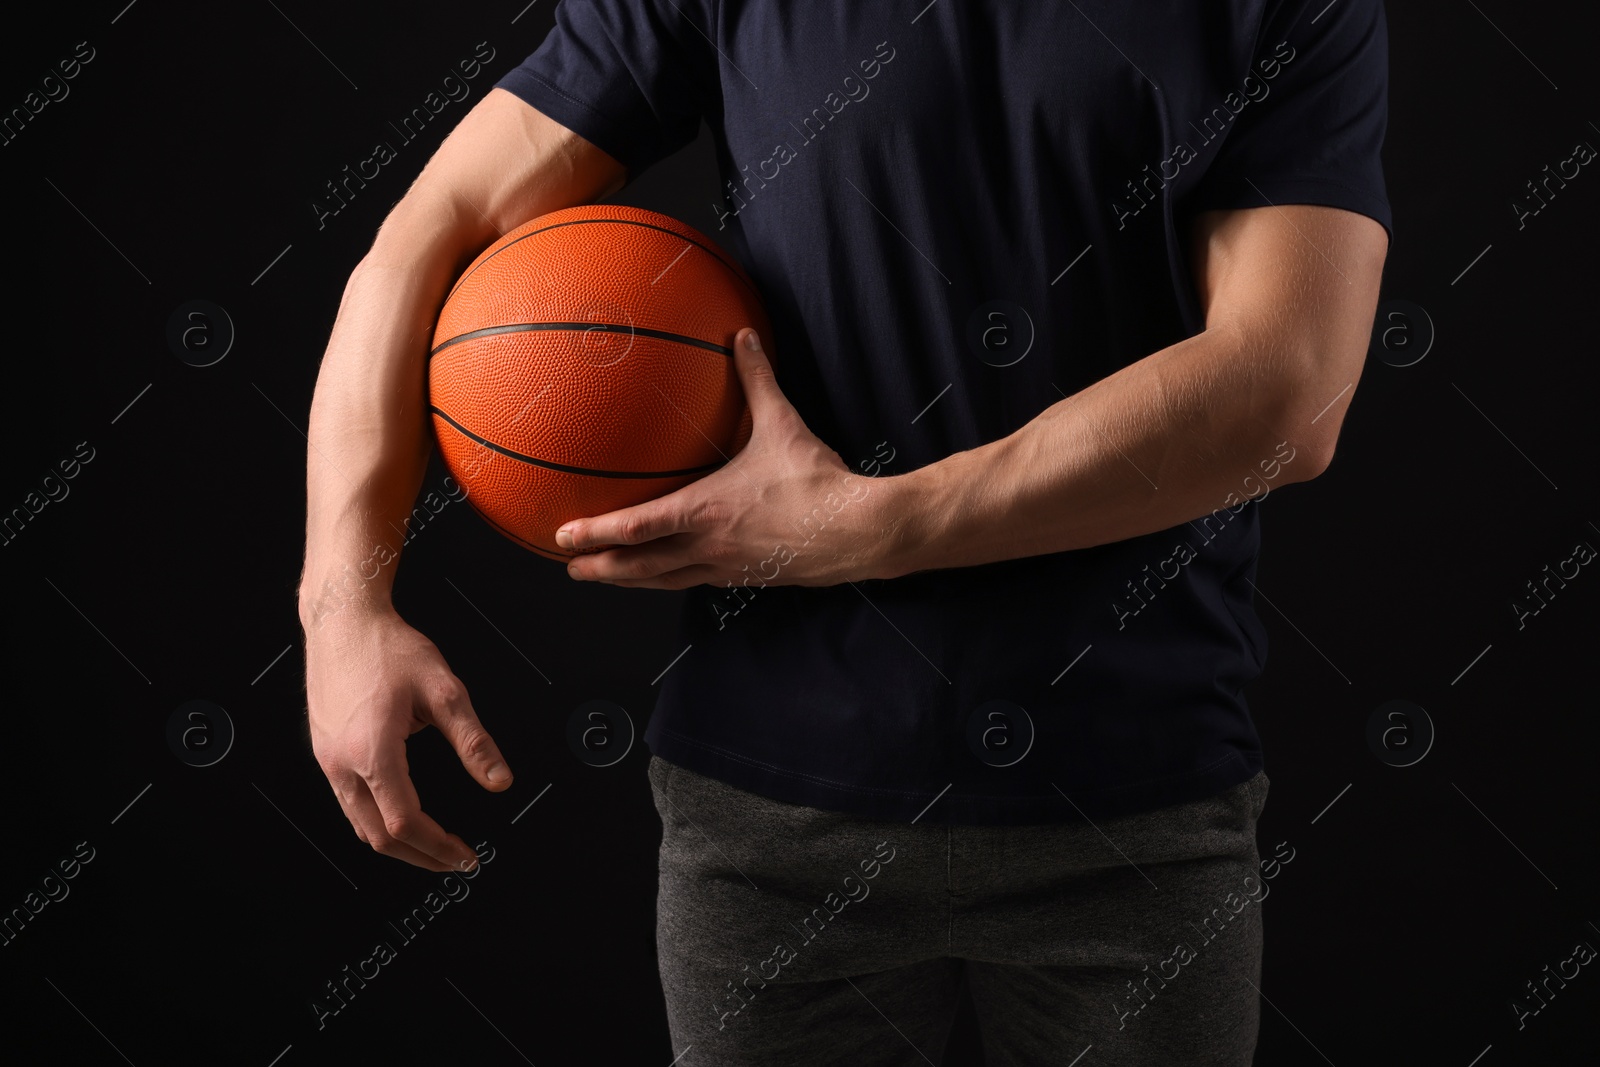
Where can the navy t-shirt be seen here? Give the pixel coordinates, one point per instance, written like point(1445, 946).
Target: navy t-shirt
point(957, 216)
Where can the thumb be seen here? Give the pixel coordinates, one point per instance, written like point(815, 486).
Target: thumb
point(459, 723)
point(757, 377)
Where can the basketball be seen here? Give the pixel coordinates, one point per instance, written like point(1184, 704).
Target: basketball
point(584, 363)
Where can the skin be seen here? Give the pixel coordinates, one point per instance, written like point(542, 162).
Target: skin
point(1289, 295)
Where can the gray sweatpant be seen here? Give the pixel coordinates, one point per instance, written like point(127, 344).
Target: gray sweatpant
point(792, 935)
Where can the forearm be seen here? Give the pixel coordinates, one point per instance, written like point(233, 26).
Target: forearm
point(369, 434)
point(1206, 423)
point(369, 437)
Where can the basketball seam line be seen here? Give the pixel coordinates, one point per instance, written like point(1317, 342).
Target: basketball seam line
point(606, 327)
point(567, 468)
point(730, 266)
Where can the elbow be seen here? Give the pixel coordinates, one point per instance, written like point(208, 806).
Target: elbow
point(1306, 437)
point(1312, 408)
point(1285, 459)
point(1317, 460)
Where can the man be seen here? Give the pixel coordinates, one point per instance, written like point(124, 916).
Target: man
point(1057, 294)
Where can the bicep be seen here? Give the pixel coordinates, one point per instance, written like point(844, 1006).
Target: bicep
point(507, 162)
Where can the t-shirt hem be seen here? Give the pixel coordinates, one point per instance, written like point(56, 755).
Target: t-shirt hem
point(1296, 190)
point(582, 118)
point(950, 808)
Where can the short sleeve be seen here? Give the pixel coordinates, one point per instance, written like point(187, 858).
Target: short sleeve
point(629, 76)
point(1314, 113)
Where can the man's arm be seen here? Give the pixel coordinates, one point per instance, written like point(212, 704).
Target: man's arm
point(1289, 295)
point(372, 680)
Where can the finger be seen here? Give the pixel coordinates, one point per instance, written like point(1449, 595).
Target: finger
point(661, 517)
point(451, 710)
point(759, 380)
point(400, 809)
point(682, 578)
point(633, 564)
point(362, 811)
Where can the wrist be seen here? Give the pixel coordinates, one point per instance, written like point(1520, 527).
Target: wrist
point(906, 522)
point(343, 600)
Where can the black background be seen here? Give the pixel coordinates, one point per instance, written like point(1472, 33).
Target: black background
point(220, 899)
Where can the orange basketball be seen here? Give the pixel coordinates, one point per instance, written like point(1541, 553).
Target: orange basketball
point(584, 363)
